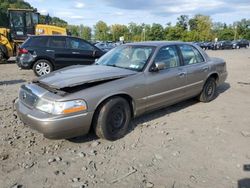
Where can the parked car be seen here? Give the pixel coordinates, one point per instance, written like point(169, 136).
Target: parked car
point(124, 83)
point(45, 54)
point(226, 44)
point(204, 45)
point(105, 46)
point(240, 44)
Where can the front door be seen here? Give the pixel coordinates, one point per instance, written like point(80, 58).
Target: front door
point(166, 86)
point(81, 52)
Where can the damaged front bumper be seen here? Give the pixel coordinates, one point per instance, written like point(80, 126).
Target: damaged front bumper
point(55, 127)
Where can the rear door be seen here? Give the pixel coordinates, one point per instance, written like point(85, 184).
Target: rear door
point(81, 52)
point(58, 49)
point(166, 86)
point(196, 68)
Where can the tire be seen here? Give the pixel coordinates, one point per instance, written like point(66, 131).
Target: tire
point(112, 119)
point(247, 46)
point(237, 47)
point(1, 56)
point(209, 91)
point(42, 67)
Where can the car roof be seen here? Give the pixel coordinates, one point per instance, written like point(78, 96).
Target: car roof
point(157, 43)
point(36, 36)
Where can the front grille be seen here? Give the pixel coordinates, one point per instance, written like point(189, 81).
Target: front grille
point(27, 97)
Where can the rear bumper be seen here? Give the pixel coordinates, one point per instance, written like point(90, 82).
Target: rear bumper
point(222, 78)
point(25, 61)
point(54, 127)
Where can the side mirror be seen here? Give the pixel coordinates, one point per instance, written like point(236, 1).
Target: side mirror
point(157, 67)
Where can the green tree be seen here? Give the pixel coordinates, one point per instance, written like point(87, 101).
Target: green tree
point(243, 28)
point(101, 31)
point(85, 32)
point(226, 34)
point(156, 32)
point(135, 32)
point(201, 26)
point(118, 31)
point(173, 33)
point(182, 22)
point(74, 30)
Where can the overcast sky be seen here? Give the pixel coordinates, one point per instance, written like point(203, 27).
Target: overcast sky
point(88, 12)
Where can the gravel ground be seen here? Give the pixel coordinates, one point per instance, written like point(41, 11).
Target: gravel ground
point(190, 144)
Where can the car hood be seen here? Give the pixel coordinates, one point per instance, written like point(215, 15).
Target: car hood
point(79, 75)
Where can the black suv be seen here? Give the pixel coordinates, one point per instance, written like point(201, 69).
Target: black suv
point(45, 54)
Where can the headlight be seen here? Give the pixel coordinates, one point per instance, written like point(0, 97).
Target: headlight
point(66, 107)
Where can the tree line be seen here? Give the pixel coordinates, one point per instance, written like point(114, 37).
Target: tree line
point(197, 28)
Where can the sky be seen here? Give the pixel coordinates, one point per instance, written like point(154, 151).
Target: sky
point(88, 12)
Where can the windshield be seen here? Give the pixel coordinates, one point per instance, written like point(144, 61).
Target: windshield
point(127, 57)
point(16, 19)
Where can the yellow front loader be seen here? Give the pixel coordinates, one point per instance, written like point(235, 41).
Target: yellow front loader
point(22, 23)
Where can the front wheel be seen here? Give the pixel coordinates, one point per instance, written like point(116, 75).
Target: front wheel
point(42, 67)
point(112, 119)
point(209, 91)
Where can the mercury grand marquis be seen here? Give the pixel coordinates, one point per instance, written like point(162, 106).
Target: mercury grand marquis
point(124, 83)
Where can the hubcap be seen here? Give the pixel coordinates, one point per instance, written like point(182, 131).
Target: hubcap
point(210, 90)
point(42, 68)
point(117, 118)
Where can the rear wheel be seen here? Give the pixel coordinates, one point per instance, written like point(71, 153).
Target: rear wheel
point(209, 91)
point(112, 119)
point(42, 67)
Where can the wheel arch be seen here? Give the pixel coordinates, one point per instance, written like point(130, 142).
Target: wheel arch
point(126, 96)
point(44, 58)
point(214, 75)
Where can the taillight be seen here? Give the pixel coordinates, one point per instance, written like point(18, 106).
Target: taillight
point(23, 51)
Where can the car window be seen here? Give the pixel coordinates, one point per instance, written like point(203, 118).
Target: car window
point(57, 42)
point(190, 55)
point(169, 56)
point(78, 44)
point(38, 42)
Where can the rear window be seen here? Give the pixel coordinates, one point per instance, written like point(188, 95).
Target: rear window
point(36, 42)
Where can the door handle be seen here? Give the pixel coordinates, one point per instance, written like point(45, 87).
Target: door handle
point(205, 69)
point(182, 74)
point(50, 50)
point(75, 52)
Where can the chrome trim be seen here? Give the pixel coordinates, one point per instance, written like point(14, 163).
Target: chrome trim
point(172, 90)
point(56, 118)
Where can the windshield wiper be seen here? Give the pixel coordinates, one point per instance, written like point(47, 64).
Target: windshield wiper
point(112, 65)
